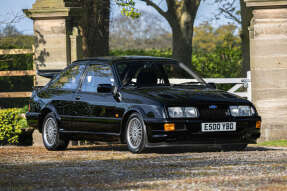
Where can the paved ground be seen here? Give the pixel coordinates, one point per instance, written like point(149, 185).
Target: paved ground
point(114, 168)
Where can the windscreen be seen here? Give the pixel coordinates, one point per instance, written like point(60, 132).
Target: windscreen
point(146, 73)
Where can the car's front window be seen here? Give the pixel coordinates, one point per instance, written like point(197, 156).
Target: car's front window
point(69, 79)
point(97, 75)
point(148, 73)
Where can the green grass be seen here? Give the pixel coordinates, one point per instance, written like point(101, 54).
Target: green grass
point(276, 143)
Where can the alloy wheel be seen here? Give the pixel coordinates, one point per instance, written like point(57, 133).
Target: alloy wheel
point(134, 133)
point(50, 132)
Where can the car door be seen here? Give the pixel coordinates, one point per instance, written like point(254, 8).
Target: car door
point(96, 106)
point(63, 89)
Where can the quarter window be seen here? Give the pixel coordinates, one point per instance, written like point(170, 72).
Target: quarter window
point(97, 74)
point(70, 78)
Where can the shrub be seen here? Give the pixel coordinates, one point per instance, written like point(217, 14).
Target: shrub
point(11, 125)
point(141, 52)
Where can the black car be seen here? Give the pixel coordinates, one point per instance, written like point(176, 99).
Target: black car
point(142, 101)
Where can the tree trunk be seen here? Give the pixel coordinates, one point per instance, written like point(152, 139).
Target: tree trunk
point(180, 15)
point(246, 15)
point(95, 27)
point(181, 49)
point(182, 31)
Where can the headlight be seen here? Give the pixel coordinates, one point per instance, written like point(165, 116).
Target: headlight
point(242, 111)
point(182, 112)
point(191, 112)
point(175, 112)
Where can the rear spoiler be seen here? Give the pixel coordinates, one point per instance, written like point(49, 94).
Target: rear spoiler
point(48, 73)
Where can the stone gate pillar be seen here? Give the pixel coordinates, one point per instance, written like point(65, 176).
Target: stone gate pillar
point(56, 31)
point(58, 43)
point(268, 33)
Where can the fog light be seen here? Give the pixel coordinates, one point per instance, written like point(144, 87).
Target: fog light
point(258, 124)
point(169, 127)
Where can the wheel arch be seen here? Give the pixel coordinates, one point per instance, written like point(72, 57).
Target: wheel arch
point(44, 112)
point(125, 120)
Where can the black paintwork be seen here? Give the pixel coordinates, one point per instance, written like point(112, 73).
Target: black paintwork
point(102, 116)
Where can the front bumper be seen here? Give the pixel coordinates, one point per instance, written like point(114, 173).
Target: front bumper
point(189, 132)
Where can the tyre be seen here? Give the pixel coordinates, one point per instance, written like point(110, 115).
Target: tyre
point(237, 147)
point(51, 135)
point(135, 133)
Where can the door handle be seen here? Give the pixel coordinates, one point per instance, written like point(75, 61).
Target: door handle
point(78, 97)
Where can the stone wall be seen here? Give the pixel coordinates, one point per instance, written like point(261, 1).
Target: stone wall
point(58, 43)
point(268, 33)
point(56, 31)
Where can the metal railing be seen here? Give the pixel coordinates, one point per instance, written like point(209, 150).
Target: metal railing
point(238, 84)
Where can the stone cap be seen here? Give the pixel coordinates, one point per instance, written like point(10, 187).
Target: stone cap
point(54, 8)
point(47, 4)
point(266, 3)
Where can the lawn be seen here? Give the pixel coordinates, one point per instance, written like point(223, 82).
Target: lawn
point(275, 143)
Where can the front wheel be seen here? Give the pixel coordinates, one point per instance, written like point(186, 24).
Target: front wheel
point(51, 136)
point(135, 133)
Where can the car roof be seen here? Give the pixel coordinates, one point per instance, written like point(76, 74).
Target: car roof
point(113, 59)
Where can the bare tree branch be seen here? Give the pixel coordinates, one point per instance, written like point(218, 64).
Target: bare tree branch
point(231, 16)
point(156, 7)
point(192, 6)
point(228, 9)
point(171, 6)
point(14, 18)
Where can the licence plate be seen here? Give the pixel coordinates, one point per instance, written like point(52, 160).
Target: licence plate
point(218, 127)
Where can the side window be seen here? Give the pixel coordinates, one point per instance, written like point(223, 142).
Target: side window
point(69, 79)
point(97, 74)
point(122, 69)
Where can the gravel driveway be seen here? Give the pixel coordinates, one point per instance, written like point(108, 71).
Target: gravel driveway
point(109, 167)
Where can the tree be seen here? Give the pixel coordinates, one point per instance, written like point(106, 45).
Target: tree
point(10, 31)
point(246, 16)
point(10, 38)
point(204, 38)
point(95, 27)
point(216, 51)
point(146, 32)
point(13, 17)
point(128, 8)
point(180, 15)
point(242, 17)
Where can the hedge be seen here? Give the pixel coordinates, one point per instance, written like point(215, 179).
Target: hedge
point(140, 52)
point(11, 124)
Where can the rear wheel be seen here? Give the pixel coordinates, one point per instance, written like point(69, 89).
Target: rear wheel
point(51, 135)
point(135, 133)
point(237, 147)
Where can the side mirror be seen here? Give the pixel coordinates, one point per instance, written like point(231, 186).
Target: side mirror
point(105, 88)
point(211, 85)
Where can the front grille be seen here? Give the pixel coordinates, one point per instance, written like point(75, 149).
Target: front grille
point(219, 113)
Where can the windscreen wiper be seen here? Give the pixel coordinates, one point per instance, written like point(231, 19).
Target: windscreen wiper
point(191, 83)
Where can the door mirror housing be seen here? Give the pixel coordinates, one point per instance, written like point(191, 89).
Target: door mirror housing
point(105, 88)
point(211, 85)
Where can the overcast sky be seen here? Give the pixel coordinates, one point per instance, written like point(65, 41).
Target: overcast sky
point(206, 12)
